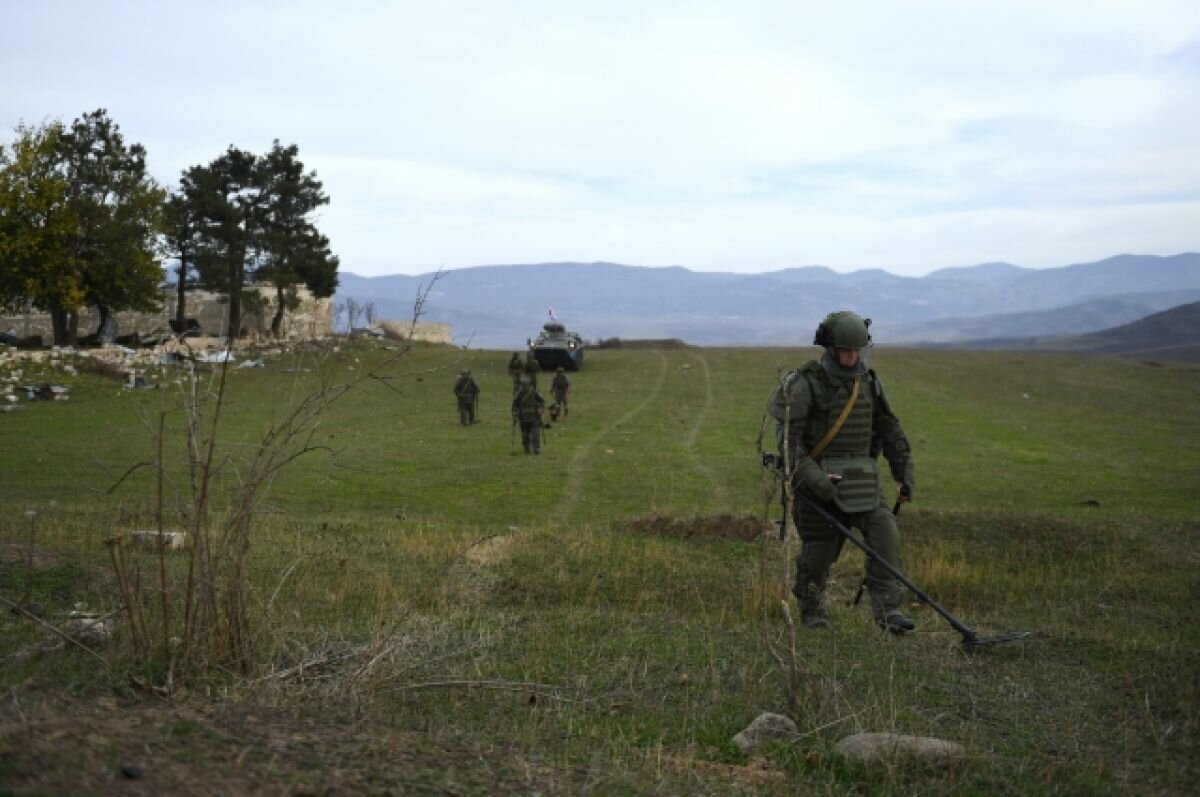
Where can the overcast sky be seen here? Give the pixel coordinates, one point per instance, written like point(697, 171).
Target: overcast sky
point(720, 136)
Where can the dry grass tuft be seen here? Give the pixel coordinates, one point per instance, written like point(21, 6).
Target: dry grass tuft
point(721, 527)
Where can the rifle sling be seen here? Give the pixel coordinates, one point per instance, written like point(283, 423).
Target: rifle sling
point(824, 442)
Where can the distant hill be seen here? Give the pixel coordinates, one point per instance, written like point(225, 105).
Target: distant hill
point(1072, 319)
point(501, 306)
point(1169, 335)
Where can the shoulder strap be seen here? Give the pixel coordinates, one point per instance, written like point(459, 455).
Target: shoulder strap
point(824, 442)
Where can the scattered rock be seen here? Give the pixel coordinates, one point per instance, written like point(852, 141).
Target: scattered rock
point(171, 540)
point(88, 629)
point(874, 747)
point(766, 727)
point(45, 392)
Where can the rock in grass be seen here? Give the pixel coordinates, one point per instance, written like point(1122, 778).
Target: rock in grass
point(766, 727)
point(873, 747)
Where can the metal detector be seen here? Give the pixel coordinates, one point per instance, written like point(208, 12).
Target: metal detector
point(971, 640)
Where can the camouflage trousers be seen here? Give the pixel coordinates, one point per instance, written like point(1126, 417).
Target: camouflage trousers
point(466, 411)
point(821, 544)
point(531, 436)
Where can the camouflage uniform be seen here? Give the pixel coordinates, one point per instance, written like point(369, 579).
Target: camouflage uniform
point(467, 392)
point(515, 369)
point(532, 368)
point(844, 477)
point(527, 408)
point(559, 389)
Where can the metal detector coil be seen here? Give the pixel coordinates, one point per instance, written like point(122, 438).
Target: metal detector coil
point(971, 639)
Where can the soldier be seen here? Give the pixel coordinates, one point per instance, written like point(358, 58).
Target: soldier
point(532, 368)
point(527, 408)
point(467, 392)
point(515, 369)
point(838, 420)
point(559, 389)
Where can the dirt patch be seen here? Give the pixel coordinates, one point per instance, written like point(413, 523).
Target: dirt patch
point(142, 748)
point(491, 551)
point(18, 554)
point(720, 527)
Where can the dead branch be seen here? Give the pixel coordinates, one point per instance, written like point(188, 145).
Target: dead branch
point(55, 630)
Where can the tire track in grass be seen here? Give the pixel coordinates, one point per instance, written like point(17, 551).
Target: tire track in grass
point(719, 491)
point(577, 467)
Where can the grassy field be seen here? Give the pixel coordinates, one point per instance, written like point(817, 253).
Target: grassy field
point(435, 612)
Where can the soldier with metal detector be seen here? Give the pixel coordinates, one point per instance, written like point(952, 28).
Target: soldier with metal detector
point(833, 420)
point(527, 408)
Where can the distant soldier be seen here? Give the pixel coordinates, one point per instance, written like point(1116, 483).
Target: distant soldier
point(532, 368)
point(515, 369)
point(466, 390)
point(559, 389)
point(527, 408)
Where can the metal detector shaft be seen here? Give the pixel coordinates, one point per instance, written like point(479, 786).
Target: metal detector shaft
point(967, 632)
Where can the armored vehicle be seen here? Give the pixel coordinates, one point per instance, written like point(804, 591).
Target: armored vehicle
point(555, 346)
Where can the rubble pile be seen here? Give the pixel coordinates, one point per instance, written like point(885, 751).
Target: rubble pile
point(36, 374)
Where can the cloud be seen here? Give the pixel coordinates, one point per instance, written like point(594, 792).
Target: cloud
point(710, 134)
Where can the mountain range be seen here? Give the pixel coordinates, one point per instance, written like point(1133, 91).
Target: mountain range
point(501, 306)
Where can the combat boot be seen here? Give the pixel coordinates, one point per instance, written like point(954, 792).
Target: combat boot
point(814, 615)
point(815, 618)
point(895, 622)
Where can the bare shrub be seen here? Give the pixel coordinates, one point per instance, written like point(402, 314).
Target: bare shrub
point(204, 623)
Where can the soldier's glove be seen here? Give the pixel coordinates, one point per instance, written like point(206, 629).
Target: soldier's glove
point(824, 489)
point(906, 491)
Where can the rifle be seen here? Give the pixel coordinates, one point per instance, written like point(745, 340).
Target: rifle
point(775, 464)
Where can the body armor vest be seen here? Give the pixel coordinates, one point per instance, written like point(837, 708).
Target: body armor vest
point(527, 403)
point(848, 454)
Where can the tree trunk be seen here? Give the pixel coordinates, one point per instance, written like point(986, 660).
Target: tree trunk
point(181, 296)
point(236, 278)
point(66, 326)
point(58, 321)
point(277, 321)
point(106, 329)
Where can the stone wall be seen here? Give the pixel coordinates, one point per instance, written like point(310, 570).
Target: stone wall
point(429, 332)
point(313, 319)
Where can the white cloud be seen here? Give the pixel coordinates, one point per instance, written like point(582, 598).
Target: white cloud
point(907, 136)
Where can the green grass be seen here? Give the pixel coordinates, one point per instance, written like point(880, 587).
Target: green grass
point(511, 611)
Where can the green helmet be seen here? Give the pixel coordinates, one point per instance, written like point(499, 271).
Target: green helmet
point(843, 330)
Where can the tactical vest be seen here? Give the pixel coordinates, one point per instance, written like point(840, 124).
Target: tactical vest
point(527, 404)
point(849, 453)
